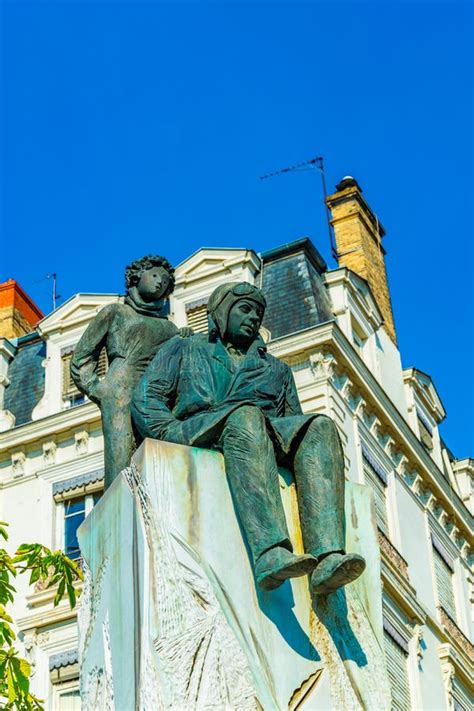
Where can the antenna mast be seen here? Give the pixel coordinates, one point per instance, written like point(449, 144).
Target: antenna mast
point(312, 164)
point(55, 295)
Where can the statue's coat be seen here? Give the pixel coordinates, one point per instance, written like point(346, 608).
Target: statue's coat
point(193, 384)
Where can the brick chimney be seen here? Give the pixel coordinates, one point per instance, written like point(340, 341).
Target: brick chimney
point(18, 313)
point(358, 235)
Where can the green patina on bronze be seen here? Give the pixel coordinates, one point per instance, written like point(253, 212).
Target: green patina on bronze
point(132, 333)
point(225, 391)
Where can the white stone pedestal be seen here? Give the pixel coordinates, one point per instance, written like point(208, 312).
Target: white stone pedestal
point(171, 617)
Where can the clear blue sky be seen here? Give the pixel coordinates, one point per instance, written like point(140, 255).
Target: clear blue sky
point(136, 127)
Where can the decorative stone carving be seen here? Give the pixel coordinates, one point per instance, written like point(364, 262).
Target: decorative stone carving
point(30, 641)
point(49, 453)
point(420, 642)
point(425, 495)
point(369, 417)
point(323, 365)
point(403, 465)
point(414, 480)
point(18, 463)
point(449, 673)
point(81, 442)
point(443, 518)
point(360, 406)
point(43, 639)
point(395, 454)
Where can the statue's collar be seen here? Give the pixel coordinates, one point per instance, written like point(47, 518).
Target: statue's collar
point(156, 309)
point(257, 347)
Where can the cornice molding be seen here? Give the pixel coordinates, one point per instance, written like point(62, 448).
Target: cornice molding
point(51, 425)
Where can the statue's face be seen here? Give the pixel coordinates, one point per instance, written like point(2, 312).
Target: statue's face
point(153, 283)
point(243, 322)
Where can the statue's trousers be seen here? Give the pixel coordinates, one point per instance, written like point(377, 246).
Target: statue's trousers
point(252, 456)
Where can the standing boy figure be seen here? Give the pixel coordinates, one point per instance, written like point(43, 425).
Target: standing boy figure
point(224, 390)
point(131, 333)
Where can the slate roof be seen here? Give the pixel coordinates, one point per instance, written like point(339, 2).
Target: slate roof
point(26, 375)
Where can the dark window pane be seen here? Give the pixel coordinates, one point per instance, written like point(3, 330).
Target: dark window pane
point(74, 506)
point(97, 496)
point(71, 524)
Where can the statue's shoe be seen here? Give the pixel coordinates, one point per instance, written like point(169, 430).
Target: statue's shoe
point(278, 564)
point(336, 570)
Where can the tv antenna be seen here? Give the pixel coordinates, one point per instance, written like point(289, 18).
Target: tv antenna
point(312, 164)
point(55, 295)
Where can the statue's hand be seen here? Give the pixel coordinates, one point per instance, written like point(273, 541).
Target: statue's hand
point(185, 332)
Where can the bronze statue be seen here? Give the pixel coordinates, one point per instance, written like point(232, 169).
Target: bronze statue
point(225, 391)
point(131, 333)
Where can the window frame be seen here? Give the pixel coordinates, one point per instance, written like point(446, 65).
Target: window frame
point(89, 492)
point(60, 686)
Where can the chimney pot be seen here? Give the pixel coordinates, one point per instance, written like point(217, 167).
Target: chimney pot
point(348, 182)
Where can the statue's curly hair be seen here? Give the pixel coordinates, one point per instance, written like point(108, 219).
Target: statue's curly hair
point(134, 270)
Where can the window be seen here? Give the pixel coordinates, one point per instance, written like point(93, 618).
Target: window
point(443, 565)
point(64, 677)
point(376, 477)
point(196, 313)
point(461, 697)
point(359, 339)
point(66, 695)
point(75, 511)
point(69, 700)
point(71, 395)
point(74, 515)
point(426, 431)
point(396, 657)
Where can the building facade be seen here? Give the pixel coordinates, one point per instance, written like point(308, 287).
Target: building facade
point(336, 330)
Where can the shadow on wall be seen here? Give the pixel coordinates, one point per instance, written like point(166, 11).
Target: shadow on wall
point(332, 612)
point(278, 607)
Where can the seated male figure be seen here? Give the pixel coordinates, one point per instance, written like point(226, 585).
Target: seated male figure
point(225, 391)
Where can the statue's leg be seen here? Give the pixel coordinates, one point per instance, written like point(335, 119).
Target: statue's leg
point(118, 439)
point(252, 473)
point(319, 472)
